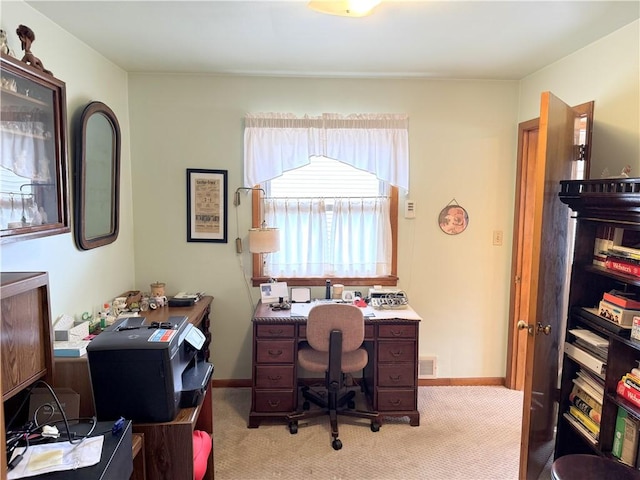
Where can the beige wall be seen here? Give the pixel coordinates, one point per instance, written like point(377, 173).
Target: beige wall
point(462, 146)
point(79, 280)
point(607, 72)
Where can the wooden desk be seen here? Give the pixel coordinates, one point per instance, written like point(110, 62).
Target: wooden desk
point(168, 446)
point(390, 378)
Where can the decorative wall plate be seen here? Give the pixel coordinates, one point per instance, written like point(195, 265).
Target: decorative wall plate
point(453, 219)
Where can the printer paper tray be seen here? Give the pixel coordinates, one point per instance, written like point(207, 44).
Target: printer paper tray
point(194, 384)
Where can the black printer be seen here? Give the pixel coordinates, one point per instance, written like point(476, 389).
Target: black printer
point(145, 371)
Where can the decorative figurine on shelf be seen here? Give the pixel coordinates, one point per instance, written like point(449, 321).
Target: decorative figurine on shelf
point(4, 45)
point(27, 37)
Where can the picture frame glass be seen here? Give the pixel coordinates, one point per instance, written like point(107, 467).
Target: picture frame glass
point(206, 205)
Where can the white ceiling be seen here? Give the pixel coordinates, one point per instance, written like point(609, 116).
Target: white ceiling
point(438, 39)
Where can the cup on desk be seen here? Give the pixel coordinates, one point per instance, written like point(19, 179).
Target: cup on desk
point(337, 291)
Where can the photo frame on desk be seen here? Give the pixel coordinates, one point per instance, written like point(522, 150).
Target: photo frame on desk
point(206, 205)
point(273, 292)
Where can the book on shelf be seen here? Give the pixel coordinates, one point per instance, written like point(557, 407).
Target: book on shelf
point(586, 403)
point(585, 358)
point(628, 300)
point(578, 426)
point(624, 252)
point(599, 246)
point(625, 442)
point(592, 342)
point(595, 392)
point(579, 415)
point(622, 265)
point(596, 381)
point(628, 393)
point(618, 432)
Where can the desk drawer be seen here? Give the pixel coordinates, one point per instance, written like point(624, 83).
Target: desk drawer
point(274, 376)
point(400, 330)
point(274, 401)
point(275, 331)
point(396, 375)
point(396, 400)
point(396, 352)
point(274, 351)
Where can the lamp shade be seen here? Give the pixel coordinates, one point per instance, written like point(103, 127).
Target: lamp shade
point(264, 240)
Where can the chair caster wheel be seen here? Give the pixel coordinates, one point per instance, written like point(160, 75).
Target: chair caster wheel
point(306, 405)
point(336, 444)
point(293, 428)
point(351, 404)
point(375, 426)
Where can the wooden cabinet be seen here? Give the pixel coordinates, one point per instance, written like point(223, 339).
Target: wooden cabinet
point(25, 339)
point(611, 205)
point(167, 446)
point(390, 378)
point(34, 184)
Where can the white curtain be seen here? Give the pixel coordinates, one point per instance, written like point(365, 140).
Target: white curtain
point(360, 237)
point(377, 143)
point(357, 243)
point(304, 254)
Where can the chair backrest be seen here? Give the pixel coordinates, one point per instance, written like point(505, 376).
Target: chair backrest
point(326, 317)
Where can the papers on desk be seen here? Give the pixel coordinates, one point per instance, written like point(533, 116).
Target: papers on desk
point(302, 310)
point(58, 457)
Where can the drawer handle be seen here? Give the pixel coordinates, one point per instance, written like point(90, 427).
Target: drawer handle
point(395, 403)
point(397, 378)
point(274, 378)
point(275, 353)
point(274, 403)
point(397, 353)
point(274, 331)
point(396, 333)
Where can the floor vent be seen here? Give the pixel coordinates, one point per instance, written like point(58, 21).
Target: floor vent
point(427, 367)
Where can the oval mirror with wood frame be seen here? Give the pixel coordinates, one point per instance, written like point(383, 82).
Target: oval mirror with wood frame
point(97, 177)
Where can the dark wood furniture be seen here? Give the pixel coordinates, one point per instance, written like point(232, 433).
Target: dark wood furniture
point(390, 378)
point(613, 203)
point(25, 340)
point(168, 446)
point(34, 184)
point(115, 460)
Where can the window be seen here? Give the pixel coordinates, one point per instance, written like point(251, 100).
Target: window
point(331, 185)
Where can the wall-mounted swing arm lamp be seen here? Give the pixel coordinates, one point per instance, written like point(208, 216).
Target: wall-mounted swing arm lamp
point(262, 239)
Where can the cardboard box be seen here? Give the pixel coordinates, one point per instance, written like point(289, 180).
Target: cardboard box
point(69, 401)
point(65, 330)
point(619, 315)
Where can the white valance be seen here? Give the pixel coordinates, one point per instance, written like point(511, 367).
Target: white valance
point(376, 143)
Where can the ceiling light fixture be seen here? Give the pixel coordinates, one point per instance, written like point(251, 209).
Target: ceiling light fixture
point(345, 8)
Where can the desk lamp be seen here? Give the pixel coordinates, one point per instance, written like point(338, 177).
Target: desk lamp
point(264, 240)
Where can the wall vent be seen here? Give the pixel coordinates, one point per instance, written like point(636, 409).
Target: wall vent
point(427, 367)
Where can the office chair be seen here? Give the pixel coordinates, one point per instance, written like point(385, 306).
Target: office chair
point(335, 333)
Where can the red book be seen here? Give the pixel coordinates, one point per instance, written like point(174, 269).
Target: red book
point(622, 267)
point(628, 393)
point(621, 300)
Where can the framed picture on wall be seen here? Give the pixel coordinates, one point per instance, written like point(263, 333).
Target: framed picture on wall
point(206, 205)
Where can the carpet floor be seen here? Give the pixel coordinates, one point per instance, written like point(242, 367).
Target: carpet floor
point(466, 433)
